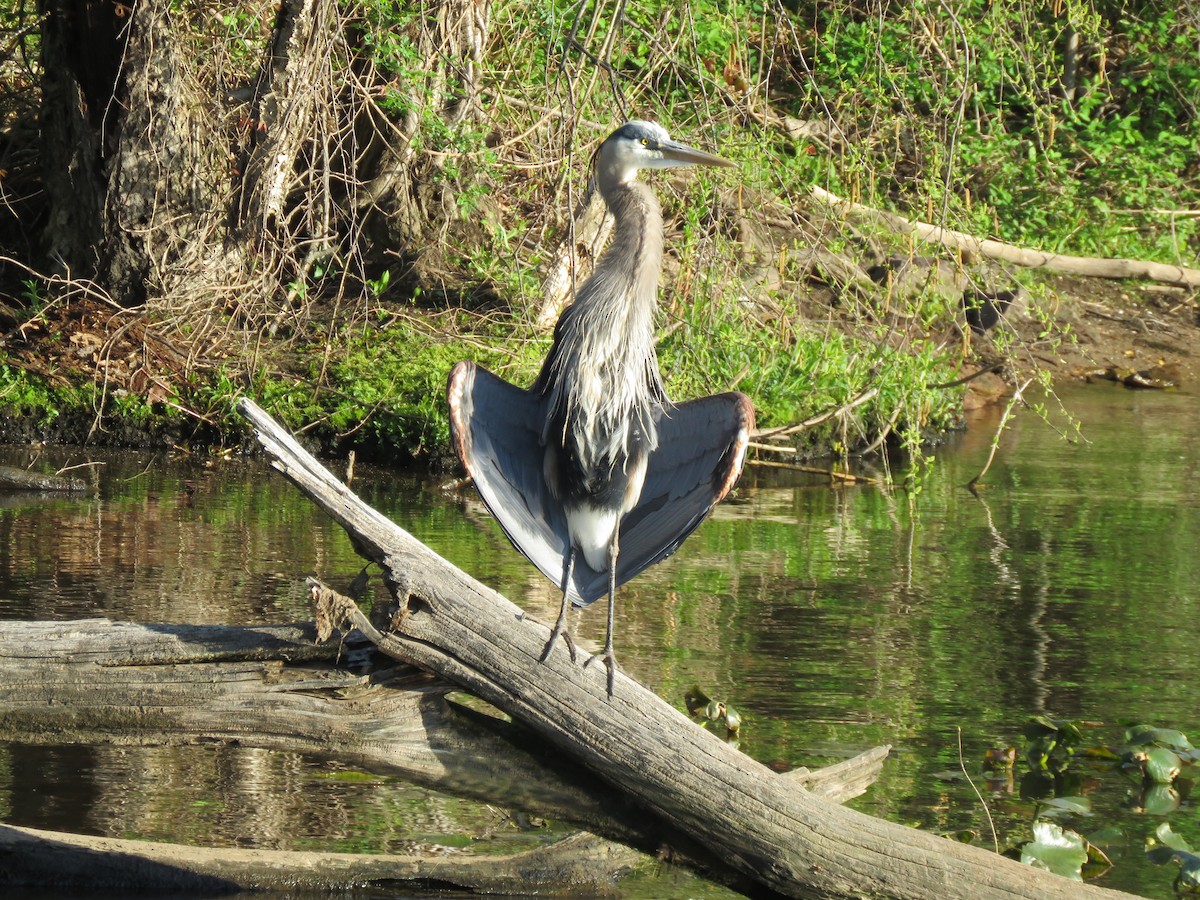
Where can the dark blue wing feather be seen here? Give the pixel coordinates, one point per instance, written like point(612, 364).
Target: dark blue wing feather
point(495, 427)
point(701, 448)
point(496, 430)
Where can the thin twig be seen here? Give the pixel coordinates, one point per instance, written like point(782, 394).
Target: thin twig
point(987, 370)
point(987, 812)
point(818, 419)
point(1008, 411)
point(847, 477)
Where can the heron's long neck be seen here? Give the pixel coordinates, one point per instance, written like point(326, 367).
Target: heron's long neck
point(603, 373)
point(618, 302)
point(634, 257)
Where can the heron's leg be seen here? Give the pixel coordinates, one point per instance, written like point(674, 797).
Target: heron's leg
point(560, 627)
point(610, 660)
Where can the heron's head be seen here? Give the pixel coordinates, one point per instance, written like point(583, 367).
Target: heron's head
point(645, 145)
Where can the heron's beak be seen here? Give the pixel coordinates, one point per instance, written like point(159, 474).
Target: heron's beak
point(677, 154)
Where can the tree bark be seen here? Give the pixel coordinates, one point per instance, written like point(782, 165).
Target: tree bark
point(184, 188)
point(784, 839)
point(81, 49)
point(159, 182)
point(128, 172)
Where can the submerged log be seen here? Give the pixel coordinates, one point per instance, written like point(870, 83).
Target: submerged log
point(784, 839)
point(14, 479)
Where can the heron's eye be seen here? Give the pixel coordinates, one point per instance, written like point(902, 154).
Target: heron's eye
point(645, 142)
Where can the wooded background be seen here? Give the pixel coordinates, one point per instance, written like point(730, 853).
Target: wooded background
point(277, 183)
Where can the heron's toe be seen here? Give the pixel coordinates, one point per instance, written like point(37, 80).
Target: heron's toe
point(610, 663)
point(554, 636)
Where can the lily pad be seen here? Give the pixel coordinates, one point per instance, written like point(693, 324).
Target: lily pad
point(1144, 735)
point(1097, 863)
point(1050, 743)
point(1066, 806)
point(1160, 800)
point(1169, 838)
point(1159, 764)
point(1106, 835)
point(713, 714)
point(1166, 846)
point(1056, 849)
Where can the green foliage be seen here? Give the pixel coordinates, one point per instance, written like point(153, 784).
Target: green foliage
point(1050, 744)
point(1055, 751)
point(1057, 850)
point(957, 113)
point(966, 113)
point(383, 390)
point(25, 394)
point(794, 372)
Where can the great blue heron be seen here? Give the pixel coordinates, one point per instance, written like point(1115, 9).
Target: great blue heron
point(593, 460)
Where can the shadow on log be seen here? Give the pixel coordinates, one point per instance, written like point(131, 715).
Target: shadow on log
point(47, 858)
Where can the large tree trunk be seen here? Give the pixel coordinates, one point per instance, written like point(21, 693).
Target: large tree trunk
point(785, 840)
point(170, 184)
point(162, 178)
point(81, 46)
point(133, 155)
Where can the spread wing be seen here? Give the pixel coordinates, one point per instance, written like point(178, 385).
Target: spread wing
point(701, 448)
point(495, 428)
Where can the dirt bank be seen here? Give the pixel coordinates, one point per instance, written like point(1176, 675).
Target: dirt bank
point(1136, 326)
point(1075, 328)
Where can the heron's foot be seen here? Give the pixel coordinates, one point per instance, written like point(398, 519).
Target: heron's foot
point(610, 663)
point(559, 631)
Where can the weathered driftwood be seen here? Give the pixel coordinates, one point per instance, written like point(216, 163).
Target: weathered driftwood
point(80, 863)
point(95, 681)
point(1092, 266)
point(783, 838)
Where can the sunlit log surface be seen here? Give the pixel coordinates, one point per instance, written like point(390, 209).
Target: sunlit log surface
point(785, 839)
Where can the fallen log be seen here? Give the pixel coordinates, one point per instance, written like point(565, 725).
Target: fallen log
point(14, 479)
point(1091, 266)
point(780, 837)
point(277, 687)
point(33, 857)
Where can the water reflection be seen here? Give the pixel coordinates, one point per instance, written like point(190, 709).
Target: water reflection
point(833, 618)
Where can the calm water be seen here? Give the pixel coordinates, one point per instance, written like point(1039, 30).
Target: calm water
point(834, 619)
